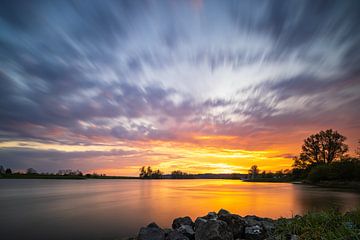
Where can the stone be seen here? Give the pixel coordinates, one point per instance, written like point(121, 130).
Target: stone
point(267, 224)
point(187, 231)
point(292, 237)
point(211, 215)
point(254, 232)
point(222, 212)
point(182, 221)
point(213, 230)
point(168, 231)
point(236, 224)
point(151, 232)
point(175, 235)
point(199, 221)
point(153, 225)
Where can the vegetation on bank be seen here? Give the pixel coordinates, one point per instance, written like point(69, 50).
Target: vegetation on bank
point(321, 225)
point(323, 160)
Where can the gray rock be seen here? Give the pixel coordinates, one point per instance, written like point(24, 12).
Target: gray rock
point(213, 230)
point(255, 232)
point(182, 221)
point(269, 226)
point(199, 221)
point(151, 232)
point(153, 225)
point(236, 224)
point(175, 235)
point(222, 212)
point(187, 231)
point(168, 231)
point(211, 215)
point(294, 237)
point(266, 223)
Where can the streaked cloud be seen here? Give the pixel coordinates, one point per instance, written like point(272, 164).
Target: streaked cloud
point(241, 75)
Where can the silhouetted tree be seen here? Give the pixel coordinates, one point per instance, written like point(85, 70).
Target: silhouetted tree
point(2, 170)
point(253, 171)
point(179, 174)
point(323, 147)
point(147, 172)
point(143, 172)
point(8, 171)
point(31, 171)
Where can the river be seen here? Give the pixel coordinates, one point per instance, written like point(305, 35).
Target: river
point(110, 209)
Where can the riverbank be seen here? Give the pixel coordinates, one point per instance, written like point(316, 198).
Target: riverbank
point(348, 185)
point(227, 226)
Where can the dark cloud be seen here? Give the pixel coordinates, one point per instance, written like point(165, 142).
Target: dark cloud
point(53, 159)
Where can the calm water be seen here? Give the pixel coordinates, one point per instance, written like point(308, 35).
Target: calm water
point(108, 209)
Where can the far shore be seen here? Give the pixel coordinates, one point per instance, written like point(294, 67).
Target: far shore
point(347, 185)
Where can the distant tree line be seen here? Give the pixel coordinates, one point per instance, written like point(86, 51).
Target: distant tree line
point(149, 173)
point(61, 173)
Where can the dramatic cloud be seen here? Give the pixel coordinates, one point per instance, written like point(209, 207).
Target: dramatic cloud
point(166, 77)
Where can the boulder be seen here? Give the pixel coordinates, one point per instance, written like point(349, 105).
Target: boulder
point(236, 224)
point(211, 215)
point(213, 230)
point(167, 231)
point(175, 235)
point(267, 224)
point(292, 237)
point(199, 221)
point(182, 221)
point(222, 212)
point(151, 232)
point(254, 232)
point(187, 231)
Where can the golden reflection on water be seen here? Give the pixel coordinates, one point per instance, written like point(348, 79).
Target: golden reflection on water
point(197, 197)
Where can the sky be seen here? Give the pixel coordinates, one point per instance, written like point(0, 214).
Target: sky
point(198, 86)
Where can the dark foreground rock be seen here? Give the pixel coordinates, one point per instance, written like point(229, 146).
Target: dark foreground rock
point(151, 232)
point(214, 226)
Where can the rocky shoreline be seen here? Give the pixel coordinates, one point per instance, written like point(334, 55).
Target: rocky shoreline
point(214, 226)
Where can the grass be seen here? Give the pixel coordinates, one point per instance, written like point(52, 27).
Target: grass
point(328, 225)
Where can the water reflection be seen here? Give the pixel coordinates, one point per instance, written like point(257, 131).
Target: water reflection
point(106, 209)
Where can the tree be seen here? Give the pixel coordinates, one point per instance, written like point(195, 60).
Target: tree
point(31, 171)
point(143, 172)
point(148, 172)
point(357, 151)
point(8, 171)
point(253, 171)
point(179, 174)
point(323, 147)
point(2, 170)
